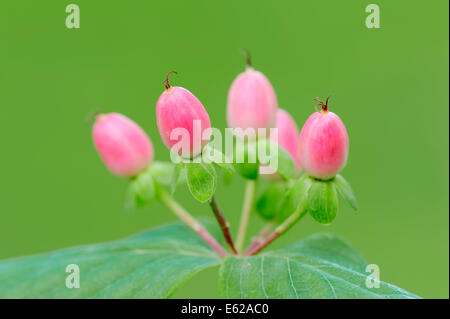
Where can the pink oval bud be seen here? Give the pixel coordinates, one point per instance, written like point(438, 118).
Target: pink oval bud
point(252, 102)
point(323, 146)
point(180, 113)
point(287, 135)
point(122, 144)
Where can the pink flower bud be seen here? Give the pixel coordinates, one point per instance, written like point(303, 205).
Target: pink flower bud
point(122, 144)
point(287, 135)
point(180, 114)
point(323, 147)
point(252, 102)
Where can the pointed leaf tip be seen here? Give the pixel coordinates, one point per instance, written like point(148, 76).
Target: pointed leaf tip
point(345, 190)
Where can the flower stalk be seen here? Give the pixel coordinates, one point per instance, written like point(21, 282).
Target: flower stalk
point(259, 239)
point(191, 222)
point(281, 229)
point(224, 225)
point(246, 212)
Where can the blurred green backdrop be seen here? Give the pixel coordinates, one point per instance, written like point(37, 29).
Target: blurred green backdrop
point(389, 85)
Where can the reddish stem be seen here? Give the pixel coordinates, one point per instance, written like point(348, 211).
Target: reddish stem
point(258, 248)
point(258, 240)
point(191, 222)
point(282, 228)
point(211, 241)
point(222, 222)
point(166, 81)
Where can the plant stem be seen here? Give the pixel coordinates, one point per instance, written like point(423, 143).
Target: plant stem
point(281, 229)
point(246, 211)
point(191, 222)
point(258, 240)
point(224, 225)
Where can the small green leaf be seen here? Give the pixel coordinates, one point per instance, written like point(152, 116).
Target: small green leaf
point(141, 191)
point(227, 168)
point(226, 172)
point(145, 187)
point(163, 173)
point(228, 178)
point(276, 158)
point(246, 159)
point(296, 194)
point(150, 265)
point(247, 170)
point(322, 201)
point(220, 161)
point(345, 190)
point(268, 204)
point(202, 180)
point(320, 266)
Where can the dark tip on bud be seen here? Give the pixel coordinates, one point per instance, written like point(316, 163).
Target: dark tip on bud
point(247, 57)
point(92, 116)
point(324, 106)
point(166, 81)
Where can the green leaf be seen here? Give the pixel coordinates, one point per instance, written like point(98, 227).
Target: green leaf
point(227, 168)
point(163, 173)
point(268, 204)
point(141, 191)
point(226, 173)
point(321, 266)
point(247, 170)
point(277, 158)
point(322, 201)
point(294, 197)
point(150, 265)
point(202, 180)
point(246, 159)
point(220, 161)
point(345, 190)
point(228, 178)
point(145, 187)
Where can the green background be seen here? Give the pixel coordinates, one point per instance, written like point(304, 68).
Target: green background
point(389, 86)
